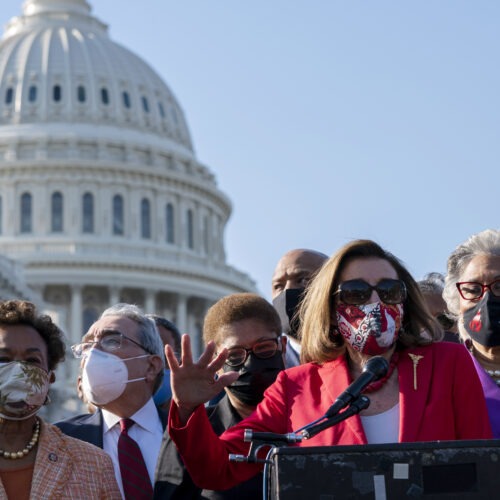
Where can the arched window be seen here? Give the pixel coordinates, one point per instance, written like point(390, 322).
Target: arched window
point(126, 99)
point(9, 95)
point(145, 218)
point(1, 214)
point(80, 93)
point(88, 213)
point(56, 93)
point(162, 111)
point(145, 104)
point(104, 95)
point(26, 211)
point(118, 214)
point(32, 91)
point(170, 227)
point(190, 229)
point(57, 212)
point(89, 317)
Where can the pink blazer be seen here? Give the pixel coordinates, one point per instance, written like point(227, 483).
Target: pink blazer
point(448, 404)
point(69, 468)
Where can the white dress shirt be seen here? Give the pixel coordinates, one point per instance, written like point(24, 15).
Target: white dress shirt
point(147, 432)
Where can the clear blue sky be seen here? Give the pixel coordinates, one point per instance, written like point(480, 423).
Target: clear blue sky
point(325, 121)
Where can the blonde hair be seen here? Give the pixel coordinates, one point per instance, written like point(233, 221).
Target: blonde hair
point(320, 340)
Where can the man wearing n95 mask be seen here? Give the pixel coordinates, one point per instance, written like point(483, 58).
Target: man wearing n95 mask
point(122, 367)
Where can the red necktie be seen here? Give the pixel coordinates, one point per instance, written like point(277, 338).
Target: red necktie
point(135, 477)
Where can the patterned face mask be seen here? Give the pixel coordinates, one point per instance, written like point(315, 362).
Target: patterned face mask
point(370, 328)
point(23, 389)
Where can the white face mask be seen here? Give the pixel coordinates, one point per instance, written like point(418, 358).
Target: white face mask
point(105, 376)
point(23, 389)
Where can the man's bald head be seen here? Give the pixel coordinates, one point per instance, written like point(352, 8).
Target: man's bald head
point(295, 269)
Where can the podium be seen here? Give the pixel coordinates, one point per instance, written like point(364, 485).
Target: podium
point(458, 470)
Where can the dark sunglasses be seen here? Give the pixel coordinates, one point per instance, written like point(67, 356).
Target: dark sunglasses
point(356, 292)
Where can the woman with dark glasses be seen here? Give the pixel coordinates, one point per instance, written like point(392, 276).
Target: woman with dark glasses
point(362, 303)
point(472, 292)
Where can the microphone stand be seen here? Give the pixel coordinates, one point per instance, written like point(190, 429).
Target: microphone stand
point(359, 404)
point(259, 440)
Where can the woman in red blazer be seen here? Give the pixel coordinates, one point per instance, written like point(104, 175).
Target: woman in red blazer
point(362, 303)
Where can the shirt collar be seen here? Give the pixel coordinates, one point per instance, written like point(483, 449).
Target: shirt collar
point(146, 417)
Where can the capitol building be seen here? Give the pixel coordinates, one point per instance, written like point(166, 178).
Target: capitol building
point(102, 198)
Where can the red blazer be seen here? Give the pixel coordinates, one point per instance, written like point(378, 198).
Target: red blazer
point(448, 404)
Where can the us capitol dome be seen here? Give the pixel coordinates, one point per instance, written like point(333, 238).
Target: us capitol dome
point(102, 198)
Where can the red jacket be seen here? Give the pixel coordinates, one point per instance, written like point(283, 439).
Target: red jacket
point(448, 404)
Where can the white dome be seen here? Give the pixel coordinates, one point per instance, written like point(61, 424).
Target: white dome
point(102, 199)
point(57, 53)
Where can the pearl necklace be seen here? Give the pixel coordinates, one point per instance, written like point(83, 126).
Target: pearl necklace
point(495, 375)
point(14, 455)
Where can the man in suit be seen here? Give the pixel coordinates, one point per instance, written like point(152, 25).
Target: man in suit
point(290, 279)
point(122, 367)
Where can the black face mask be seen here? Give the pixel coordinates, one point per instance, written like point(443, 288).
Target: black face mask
point(256, 375)
point(287, 304)
point(482, 322)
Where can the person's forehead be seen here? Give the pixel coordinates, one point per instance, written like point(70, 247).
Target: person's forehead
point(298, 262)
point(245, 333)
point(166, 335)
point(482, 267)
point(21, 337)
point(119, 324)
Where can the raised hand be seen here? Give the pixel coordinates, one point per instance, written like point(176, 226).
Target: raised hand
point(193, 383)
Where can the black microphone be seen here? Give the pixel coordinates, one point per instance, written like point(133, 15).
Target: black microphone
point(374, 369)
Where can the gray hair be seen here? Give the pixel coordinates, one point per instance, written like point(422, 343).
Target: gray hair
point(148, 334)
point(431, 283)
point(486, 242)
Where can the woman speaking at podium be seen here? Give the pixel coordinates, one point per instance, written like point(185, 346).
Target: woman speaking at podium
point(362, 303)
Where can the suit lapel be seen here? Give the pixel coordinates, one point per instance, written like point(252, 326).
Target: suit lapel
point(335, 375)
point(52, 466)
point(415, 374)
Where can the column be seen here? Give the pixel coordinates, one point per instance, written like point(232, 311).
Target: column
point(114, 295)
point(76, 314)
point(181, 316)
point(150, 302)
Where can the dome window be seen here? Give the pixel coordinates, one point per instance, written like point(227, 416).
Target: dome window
point(57, 212)
point(88, 213)
point(170, 229)
point(26, 213)
point(126, 99)
point(118, 214)
point(32, 91)
point(104, 95)
point(56, 93)
point(80, 93)
point(145, 219)
point(162, 111)
point(145, 104)
point(9, 95)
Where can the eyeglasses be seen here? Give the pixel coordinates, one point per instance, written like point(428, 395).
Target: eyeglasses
point(357, 292)
point(110, 342)
point(471, 290)
point(263, 350)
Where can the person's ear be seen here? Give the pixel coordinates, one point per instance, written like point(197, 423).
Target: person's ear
point(52, 377)
point(155, 366)
point(284, 341)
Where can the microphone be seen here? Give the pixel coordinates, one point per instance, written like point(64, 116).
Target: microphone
point(374, 369)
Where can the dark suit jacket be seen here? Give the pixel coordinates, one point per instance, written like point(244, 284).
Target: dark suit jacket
point(173, 482)
point(88, 426)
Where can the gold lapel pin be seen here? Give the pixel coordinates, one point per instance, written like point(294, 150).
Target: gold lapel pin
point(416, 359)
